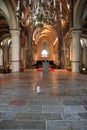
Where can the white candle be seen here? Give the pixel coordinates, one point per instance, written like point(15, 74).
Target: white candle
point(29, 2)
point(19, 4)
point(60, 7)
point(54, 3)
point(38, 89)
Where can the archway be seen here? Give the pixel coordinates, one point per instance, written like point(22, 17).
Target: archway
point(46, 41)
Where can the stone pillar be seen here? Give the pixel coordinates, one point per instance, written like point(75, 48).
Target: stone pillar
point(76, 50)
point(15, 50)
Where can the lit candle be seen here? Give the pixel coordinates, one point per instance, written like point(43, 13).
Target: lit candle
point(60, 7)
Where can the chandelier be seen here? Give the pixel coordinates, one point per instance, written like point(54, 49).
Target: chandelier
point(38, 12)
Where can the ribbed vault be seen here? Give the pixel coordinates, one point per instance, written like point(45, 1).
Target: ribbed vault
point(48, 33)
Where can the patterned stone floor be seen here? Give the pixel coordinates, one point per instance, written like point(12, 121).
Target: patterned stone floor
point(60, 105)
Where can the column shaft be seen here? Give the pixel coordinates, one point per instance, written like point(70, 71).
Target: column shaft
point(76, 50)
point(15, 50)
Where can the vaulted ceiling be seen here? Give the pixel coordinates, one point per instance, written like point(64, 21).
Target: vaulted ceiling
point(4, 26)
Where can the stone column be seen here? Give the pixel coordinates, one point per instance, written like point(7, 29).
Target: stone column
point(76, 50)
point(15, 50)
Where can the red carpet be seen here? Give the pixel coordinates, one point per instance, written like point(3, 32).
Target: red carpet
point(50, 69)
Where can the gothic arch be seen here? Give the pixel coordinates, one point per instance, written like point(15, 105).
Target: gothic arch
point(9, 13)
point(79, 12)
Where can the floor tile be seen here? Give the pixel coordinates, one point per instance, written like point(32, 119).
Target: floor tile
point(17, 102)
point(61, 104)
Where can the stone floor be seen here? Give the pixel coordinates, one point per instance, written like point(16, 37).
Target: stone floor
point(60, 105)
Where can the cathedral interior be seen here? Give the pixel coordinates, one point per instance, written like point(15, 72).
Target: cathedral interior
point(43, 64)
point(54, 31)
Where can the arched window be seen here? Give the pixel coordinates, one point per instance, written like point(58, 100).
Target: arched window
point(45, 49)
point(44, 53)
